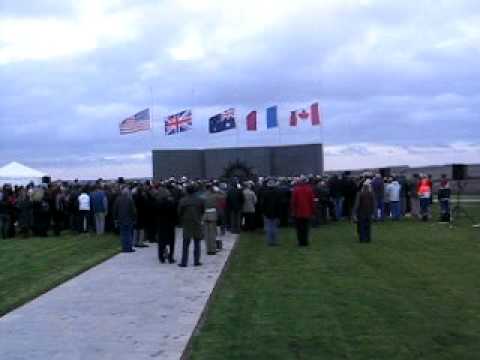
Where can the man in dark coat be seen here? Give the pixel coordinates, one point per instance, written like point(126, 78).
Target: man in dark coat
point(350, 193)
point(125, 215)
point(303, 209)
point(190, 211)
point(378, 188)
point(141, 206)
point(25, 213)
point(166, 220)
point(150, 224)
point(336, 196)
point(57, 204)
point(324, 205)
point(285, 195)
point(235, 200)
point(270, 203)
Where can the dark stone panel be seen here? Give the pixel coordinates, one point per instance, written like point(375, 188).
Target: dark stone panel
point(263, 161)
point(296, 160)
point(167, 163)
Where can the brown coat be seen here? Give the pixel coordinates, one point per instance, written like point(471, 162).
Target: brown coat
point(364, 207)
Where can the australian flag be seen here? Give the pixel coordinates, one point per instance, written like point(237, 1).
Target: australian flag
point(178, 123)
point(222, 122)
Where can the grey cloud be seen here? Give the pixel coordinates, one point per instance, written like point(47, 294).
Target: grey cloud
point(402, 90)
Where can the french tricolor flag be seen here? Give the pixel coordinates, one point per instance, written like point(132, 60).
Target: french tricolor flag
point(252, 121)
point(312, 114)
point(271, 118)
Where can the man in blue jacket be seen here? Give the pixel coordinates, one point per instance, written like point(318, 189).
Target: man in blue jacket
point(99, 203)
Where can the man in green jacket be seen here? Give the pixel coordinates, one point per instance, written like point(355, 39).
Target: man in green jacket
point(190, 210)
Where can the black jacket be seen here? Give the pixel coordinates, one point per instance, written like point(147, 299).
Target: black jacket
point(124, 210)
point(235, 199)
point(270, 203)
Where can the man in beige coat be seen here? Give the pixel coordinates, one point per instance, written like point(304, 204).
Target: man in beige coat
point(210, 219)
point(249, 207)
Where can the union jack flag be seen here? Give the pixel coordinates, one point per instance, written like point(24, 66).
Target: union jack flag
point(138, 122)
point(178, 123)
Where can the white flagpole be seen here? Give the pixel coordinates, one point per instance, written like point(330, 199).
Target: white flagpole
point(283, 128)
point(152, 101)
point(152, 104)
point(192, 102)
point(321, 136)
point(279, 129)
point(320, 110)
point(237, 126)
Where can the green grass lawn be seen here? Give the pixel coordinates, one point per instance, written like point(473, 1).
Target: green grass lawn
point(30, 267)
point(414, 293)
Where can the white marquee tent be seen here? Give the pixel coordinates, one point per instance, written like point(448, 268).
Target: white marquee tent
point(18, 174)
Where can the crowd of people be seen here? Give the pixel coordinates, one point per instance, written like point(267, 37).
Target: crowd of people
point(149, 211)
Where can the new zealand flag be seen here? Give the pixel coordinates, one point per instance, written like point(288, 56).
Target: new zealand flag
point(222, 122)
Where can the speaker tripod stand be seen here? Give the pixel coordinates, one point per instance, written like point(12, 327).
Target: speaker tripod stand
point(458, 209)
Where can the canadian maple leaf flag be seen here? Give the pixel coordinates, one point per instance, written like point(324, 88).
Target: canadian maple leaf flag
point(312, 115)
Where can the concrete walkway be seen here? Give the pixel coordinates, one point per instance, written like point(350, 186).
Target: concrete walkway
point(129, 307)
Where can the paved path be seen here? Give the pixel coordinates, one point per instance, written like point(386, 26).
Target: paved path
point(129, 307)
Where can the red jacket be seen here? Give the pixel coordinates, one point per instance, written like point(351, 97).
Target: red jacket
point(302, 202)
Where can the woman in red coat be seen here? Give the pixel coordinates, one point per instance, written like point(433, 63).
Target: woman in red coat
point(303, 208)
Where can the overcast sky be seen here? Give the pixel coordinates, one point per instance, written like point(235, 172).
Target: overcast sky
point(398, 82)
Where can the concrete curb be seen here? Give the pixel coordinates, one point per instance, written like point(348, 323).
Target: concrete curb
point(203, 316)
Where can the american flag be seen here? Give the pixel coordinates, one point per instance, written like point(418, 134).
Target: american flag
point(138, 122)
point(178, 123)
